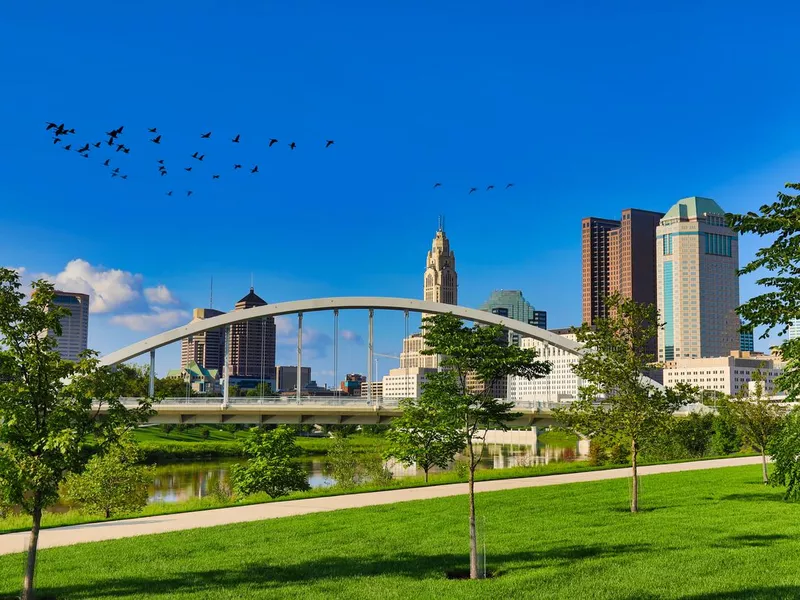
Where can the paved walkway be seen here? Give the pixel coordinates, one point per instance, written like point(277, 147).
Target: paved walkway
point(95, 532)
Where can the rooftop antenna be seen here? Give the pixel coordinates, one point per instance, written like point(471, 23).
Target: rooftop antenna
point(211, 295)
point(441, 223)
point(251, 282)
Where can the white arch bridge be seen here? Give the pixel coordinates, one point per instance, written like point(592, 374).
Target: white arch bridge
point(326, 410)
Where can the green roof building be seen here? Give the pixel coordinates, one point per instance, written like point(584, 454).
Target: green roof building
point(512, 304)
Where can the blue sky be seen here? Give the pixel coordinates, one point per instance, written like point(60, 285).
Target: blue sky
point(587, 107)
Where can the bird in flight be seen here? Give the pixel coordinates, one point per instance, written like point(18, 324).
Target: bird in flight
point(120, 147)
point(435, 185)
point(215, 177)
point(110, 141)
point(124, 176)
point(328, 143)
point(189, 193)
point(115, 132)
point(105, 164)
point(85, 155)
point(237, 167)
point(272, 141)
point(68, 146)
point(96, 144)
point(161, 161)
point(56, 140)
point(236, 139)
point(509, 185)
point(254, 169)
point(206, 135)
point(163, 172)
point(157, 139)
point(169, 193)
point(113, 174)
point(152, 129)
point(115, 170)
point(84, 149)
point(489, 187)
point(126, 150)
point(187, 168)
point(292, 145)
point(472, 190)
point(52, 126)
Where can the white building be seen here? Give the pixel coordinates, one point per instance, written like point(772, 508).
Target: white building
point(561, 384)
point(725, 374)
point(74, 328)
point(794, 330)
point(697, 257)
point(405, 382)
point(375, 386)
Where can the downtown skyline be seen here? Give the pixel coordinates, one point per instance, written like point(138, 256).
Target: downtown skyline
point(358, 220)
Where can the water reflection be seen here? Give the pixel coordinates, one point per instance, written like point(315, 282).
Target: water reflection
point(177, 482)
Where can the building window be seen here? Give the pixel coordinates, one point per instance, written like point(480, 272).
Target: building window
point(667, 244)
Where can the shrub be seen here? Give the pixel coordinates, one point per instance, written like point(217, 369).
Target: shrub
point(205, 433)
point(270, 467)
point(784, 448)
point(111, 483)
point(597, 454)
point(167, 428)
point(726, 438)
point(342, 463)
point(461, 469)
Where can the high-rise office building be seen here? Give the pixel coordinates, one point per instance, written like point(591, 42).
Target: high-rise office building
point(252, 351)
point(440, 284)
point(794, 330)
point(618, 256)
point(207, 349)
point(286, 377)
point(512, 304)
point(74, 336)
point(746, 339)
point(698, 282)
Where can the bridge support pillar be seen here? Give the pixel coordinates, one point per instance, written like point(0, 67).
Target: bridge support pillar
point(336, 349)
point(299, 355)
point(151, 389)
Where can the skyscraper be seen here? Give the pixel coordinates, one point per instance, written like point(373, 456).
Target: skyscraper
point(207, 349)
point(252, 352)
point(440, 284)
point(619, 256)
point(794, 330)
point(698, 283)
point(75, 327)
point(512, 304)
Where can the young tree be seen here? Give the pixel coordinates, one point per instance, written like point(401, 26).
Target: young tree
point(633, 410)
point(342, 463)
point(422, 435)
point(112, 481)
point(46, 405)
point(482, 355)
point(270, 467)
point(758, 418)
point(778, 307)
point(783, 448)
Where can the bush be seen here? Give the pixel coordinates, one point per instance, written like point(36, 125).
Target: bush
point(461, 469)
point(167, 428)
point(694, 433)
point(784, 448)
point(597, 454)
point(375, 471)
point(270, 468)
point(205, 433)
point(726, 438)
point(111, 483)
point(342, 463)
point(182, 427)
point(157, 452)
point(619, 454)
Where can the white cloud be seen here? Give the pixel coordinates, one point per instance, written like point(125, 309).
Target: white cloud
point(351, 336)
point(315, 342)
point(108, 289)
point(158, 318)
point(160, 295)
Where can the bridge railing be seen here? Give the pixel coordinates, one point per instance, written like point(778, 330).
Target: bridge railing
point(315, 401)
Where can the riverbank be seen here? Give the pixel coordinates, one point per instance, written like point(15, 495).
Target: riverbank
point(160, 446)
point(567, 541)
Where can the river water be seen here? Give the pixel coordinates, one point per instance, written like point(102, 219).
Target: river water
point(179, 481)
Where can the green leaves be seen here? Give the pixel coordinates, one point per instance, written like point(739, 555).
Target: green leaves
point(780, 305)
point(270, 467)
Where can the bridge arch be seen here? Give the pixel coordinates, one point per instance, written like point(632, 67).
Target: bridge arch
point(339, 303)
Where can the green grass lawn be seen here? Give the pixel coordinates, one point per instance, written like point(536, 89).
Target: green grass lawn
point(713, 535)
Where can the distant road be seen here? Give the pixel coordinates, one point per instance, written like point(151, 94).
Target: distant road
point(110, 530)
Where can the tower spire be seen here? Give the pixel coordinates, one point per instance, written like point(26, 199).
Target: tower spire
point(251, 282)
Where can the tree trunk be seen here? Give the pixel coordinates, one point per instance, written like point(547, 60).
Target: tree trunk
point(28, 592)
point(635, 489)
point(764, 466)
point(426, 475)
point(473, 538)
point(108, 513)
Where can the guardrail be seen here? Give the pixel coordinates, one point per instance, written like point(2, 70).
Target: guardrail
point(315, 401)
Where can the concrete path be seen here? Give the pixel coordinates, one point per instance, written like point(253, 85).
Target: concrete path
point(95, 532)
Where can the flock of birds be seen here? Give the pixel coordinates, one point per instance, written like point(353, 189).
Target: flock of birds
point(61, 135)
